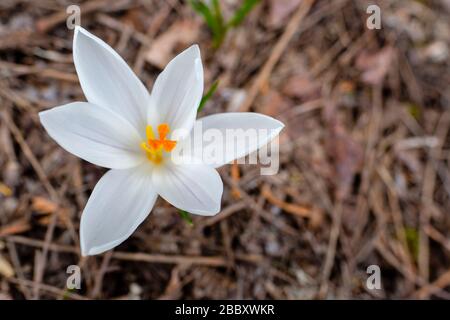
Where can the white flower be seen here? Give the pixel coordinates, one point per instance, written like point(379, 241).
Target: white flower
point(126, 129)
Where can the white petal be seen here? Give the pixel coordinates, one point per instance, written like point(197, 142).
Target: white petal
point(95, 134)
point(177, 91)
point(107, 80)
point(121, 200)
point(231, 135)
point(194, 188)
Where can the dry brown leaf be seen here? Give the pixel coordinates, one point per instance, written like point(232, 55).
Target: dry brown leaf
point(279, 11)
point(135, 17)
point(301, 86)
point(182, 33)
point(61, 222)
point(5, 190)
point(43, 205)
point(347, 153)
point(16, 227)
point(6, 269)
point(375, 66)
point(273, 103)
point(346, 87)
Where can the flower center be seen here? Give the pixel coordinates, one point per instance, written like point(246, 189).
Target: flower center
point(154, 148)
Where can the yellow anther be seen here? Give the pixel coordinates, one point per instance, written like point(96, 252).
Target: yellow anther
point(154, 147)
point(145, 147)
point(149, 132)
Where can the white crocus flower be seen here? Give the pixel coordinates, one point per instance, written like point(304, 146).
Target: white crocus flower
point(124, 128)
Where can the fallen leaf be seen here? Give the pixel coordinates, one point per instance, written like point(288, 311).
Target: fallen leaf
point(375, 66)
point(301, 86)
point(19, 226)
point(346, 152)
point(6, 269)
point(43, 205)
point(346, 87)
point(63, 219)
point(5, 190)
point(348, 156)
point(181, 33)
point(135, 17)
point(274, 103)
point(279, 10)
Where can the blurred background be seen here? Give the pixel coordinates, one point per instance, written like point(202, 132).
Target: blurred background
point(364, 175)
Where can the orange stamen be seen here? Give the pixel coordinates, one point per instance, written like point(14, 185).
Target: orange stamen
point(168, 145)
point(154, 147)
point(163, 130)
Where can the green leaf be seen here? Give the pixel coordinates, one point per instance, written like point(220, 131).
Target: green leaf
point(186, 217)
point(222, 26)
point(414, 110)
point(208, 95)
point(412, 239)
point(242, 12)
point(214, 19)
point(218, 12)
point(66, 293)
